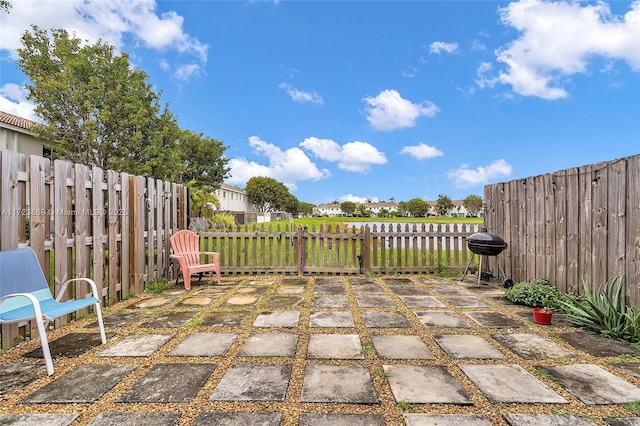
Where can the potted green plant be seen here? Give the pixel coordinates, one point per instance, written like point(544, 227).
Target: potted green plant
point(542, 316)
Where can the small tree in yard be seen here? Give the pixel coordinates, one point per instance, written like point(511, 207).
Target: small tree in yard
point(443, 205)
point(348, 207)
point(417, 207)
point(473, 204)
point(266, 193)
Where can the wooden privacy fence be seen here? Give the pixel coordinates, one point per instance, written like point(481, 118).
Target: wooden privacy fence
point(87, 222)
point(292, 249)
point(574, 224)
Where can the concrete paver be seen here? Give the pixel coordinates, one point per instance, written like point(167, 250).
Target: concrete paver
point(597, 345)
point(467, 347)
point(253, 382)
point(385, 319)
point(441, 319)
point(422, 302)
point(335, 346)
point(493, 319)
point(309, 419)
point(446, 420)
point(330, 302)
point(532, 346)
point(334, 289)
point(593, 385)
point(237, 419)
point(401, 347)
point(547, 420)
point(137, 419)
point(408, 290)
point(37, 419)
point(205, 344)
point(224, 319)
point(349, 384)
point(331, 319)
point(166, 383)
point(172, 319)
point(466, 302)
point(71, 345)
point(14, 376)
point(136, 345)
point(83, 384)
point(278, 319)
point(425, 385)
point(270, 344)
point(510, 384)
point(376, 301)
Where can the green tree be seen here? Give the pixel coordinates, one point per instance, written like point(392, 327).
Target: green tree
point(473, 204)
point(291, 204)
point(202, 159)
point(348, 207)
point(417, 207)
point(266, 193)
point(203, 201)
point(363, 211)
point(383, 213)
point(306, 208)
point(5, 5)
point(402, 208)
point(443, 205)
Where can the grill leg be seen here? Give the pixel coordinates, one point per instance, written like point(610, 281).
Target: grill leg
point(479, 270)
point(473, 255)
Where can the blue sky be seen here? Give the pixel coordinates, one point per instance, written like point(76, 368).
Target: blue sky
point(355, 100)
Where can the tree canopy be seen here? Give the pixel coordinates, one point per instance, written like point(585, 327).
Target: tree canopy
point(443, 204)
point(348, 207)
point(417, 207)
point(95, 108)
point(266, 193)
point(473, 204)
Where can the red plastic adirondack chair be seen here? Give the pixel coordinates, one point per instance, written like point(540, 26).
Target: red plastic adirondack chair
point(186, 250)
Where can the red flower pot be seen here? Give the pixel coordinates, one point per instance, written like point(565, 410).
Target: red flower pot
point(542, 316)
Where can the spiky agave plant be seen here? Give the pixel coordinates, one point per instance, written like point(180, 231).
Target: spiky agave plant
point(604, 310)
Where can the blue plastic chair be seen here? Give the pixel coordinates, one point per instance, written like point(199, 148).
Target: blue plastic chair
point(25, 296)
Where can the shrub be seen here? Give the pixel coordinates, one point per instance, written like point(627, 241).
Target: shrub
point(539, 294)
point(604, 310)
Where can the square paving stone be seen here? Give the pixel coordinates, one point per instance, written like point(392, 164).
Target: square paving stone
point(532, 346)
point(15, 376)
point(331, 319)
point(71, 345)
point(328, 280)
point(425, 385)
point(632, 368)
point(364, 289)
point(334, 289)
point(385, 319)
point(270, 344)
point(213, 291)
point(120, 319)
point(466, 302)
point(398, 281)
point(166, 383)
point(412, 419)
point(196, 301)
point(510, 384)
point(349, 384)
point(441, 319)
point(422, 302)
point(83, 384)
point(282, 302)
point(238, 419)
point(441, 282)
point(295, 281)
point(401, 347)
point(493, 319)
point(290, 290)
point(205, 344)
point(224, 319)
point(547, 420)
point(408, 290)
point(361, 280)
point(467, 347)
point(278, 319)
point(592, 385)
point(330, 302)
point(449, 289)
point(597, 345)
point(253, 382)
point(623, 421)
point(137, 345)
point(137, 419)
point(335, 346)
point(243, 301)
point(309, 419)
point(375, 301)
point(37, 419)
point(172, 319)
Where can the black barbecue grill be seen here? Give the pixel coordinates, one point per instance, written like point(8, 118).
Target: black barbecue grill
point(486, 244)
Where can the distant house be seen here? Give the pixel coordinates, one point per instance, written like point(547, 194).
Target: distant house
point(15, 135)
point(458, 209)
point(233, 199)
point(330, 210)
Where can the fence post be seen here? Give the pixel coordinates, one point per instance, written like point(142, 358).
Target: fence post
point(366, 250)
point(301, 248)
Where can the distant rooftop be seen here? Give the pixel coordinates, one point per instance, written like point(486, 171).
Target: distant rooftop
point(14, 120)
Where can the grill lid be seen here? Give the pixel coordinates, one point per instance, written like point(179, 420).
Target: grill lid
point(486, 243)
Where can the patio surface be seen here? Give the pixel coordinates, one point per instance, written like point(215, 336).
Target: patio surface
point(319, 351)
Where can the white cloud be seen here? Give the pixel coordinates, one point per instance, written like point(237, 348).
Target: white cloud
point(110, 21)
point(464, 177)
point(422, 151)
point(288, 166)
point(353, 156)
point(438, 47)
point(389, 111)
point(300, 96)
point(184, 72)
point(13, 99)
point(558, 39)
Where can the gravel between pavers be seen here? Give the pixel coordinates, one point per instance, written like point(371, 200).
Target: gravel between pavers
point(291, 408)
